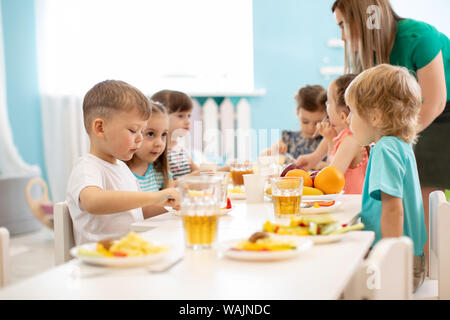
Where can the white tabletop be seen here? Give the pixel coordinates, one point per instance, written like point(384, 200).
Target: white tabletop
point(319, 273)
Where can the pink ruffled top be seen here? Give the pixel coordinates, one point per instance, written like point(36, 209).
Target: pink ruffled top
point(354, 177)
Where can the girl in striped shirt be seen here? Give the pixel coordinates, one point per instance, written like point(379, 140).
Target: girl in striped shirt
point(150, 164)
point(179, 106)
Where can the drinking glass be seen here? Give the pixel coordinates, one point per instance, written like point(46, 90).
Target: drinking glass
point(287, 196)
point(200, 205)
point(239, 168)
point(224, 179)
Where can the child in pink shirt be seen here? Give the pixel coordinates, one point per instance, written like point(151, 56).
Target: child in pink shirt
point(343, 150)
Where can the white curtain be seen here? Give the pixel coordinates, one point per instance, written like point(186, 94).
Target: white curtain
point(11, 164)
point(65, 139)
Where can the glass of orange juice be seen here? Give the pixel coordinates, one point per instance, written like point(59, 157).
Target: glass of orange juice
point(237, 169)
point(287, 196)
point(200, 205)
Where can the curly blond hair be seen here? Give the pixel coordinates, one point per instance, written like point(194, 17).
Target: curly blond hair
point(394, 92)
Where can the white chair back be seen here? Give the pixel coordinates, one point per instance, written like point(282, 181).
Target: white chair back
point(4, 257)
point(63, 229)
point(439, 242)
point(387, 274)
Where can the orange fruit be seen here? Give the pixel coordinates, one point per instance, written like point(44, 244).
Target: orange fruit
point(330, 180)
point(299, 173)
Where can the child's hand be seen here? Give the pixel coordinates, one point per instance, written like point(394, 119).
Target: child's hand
point(307, 162)
point(282, 148)
point(171, 198)
point(326, 130)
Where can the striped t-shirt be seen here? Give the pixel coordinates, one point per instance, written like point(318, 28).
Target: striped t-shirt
point(153, 180)
point(179, 162)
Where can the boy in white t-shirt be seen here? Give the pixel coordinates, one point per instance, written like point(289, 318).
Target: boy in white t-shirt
point(103, 195)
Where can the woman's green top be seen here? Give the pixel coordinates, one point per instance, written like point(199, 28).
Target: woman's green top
point(417, 44)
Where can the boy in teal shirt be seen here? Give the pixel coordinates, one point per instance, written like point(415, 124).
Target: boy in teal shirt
point(385, 102)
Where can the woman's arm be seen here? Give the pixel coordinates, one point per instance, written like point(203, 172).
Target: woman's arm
point(391, 216)
point(431, 79)
point(97, 201)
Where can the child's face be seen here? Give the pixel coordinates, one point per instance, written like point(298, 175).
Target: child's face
point(337, 118)
point(180, 121)
point(309, 120)
point(362, 130)
point(123, 134)
point(155, 138)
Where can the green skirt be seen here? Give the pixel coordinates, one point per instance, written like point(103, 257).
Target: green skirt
point(432, 153)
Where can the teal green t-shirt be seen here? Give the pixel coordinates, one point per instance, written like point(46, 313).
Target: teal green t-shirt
point(392, 169)
point(417, 44)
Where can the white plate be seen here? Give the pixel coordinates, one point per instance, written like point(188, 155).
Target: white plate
point(225, 248)
point(320, 210)
point(236, 196)
point(121, 262)
point(223, 212)
point(324, 197)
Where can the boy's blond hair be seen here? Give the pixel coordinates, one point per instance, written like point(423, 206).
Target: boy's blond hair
point(393, 91)
point(111, 96)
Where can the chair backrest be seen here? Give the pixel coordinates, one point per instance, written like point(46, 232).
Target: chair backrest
point(386, 274)
point(63, 230)
point(4, 257)
point(439, 242)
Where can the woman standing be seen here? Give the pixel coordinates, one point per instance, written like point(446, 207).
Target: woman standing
point(375, 34)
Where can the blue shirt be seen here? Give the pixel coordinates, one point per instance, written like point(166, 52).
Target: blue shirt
point(392, 169)
point(153, 180)
point(298, 145)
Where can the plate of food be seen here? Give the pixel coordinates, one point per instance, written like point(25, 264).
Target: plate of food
point(237, 193)
point(319, 207)
point(261, 246)
point(129, 251)
point(320, 228)
point(322, 197)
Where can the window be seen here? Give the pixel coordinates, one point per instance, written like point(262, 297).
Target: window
point(195, 45)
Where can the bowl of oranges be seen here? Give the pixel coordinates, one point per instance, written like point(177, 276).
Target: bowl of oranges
point(327, 183)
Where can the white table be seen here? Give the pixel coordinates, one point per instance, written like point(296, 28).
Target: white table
point(322, 272)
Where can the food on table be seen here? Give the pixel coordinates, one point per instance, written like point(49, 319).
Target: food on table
point(299, 173)
point(318, 204)
point(310, 226)
point(330, 180)
point(308, 191)
point(290, 167)
point(228, 205)
point(236, 189)
point(269, 190)
point(132, 245)
point(261, 241)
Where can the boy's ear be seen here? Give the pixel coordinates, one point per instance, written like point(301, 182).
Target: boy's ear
point(98, 127)
point(376, 118)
